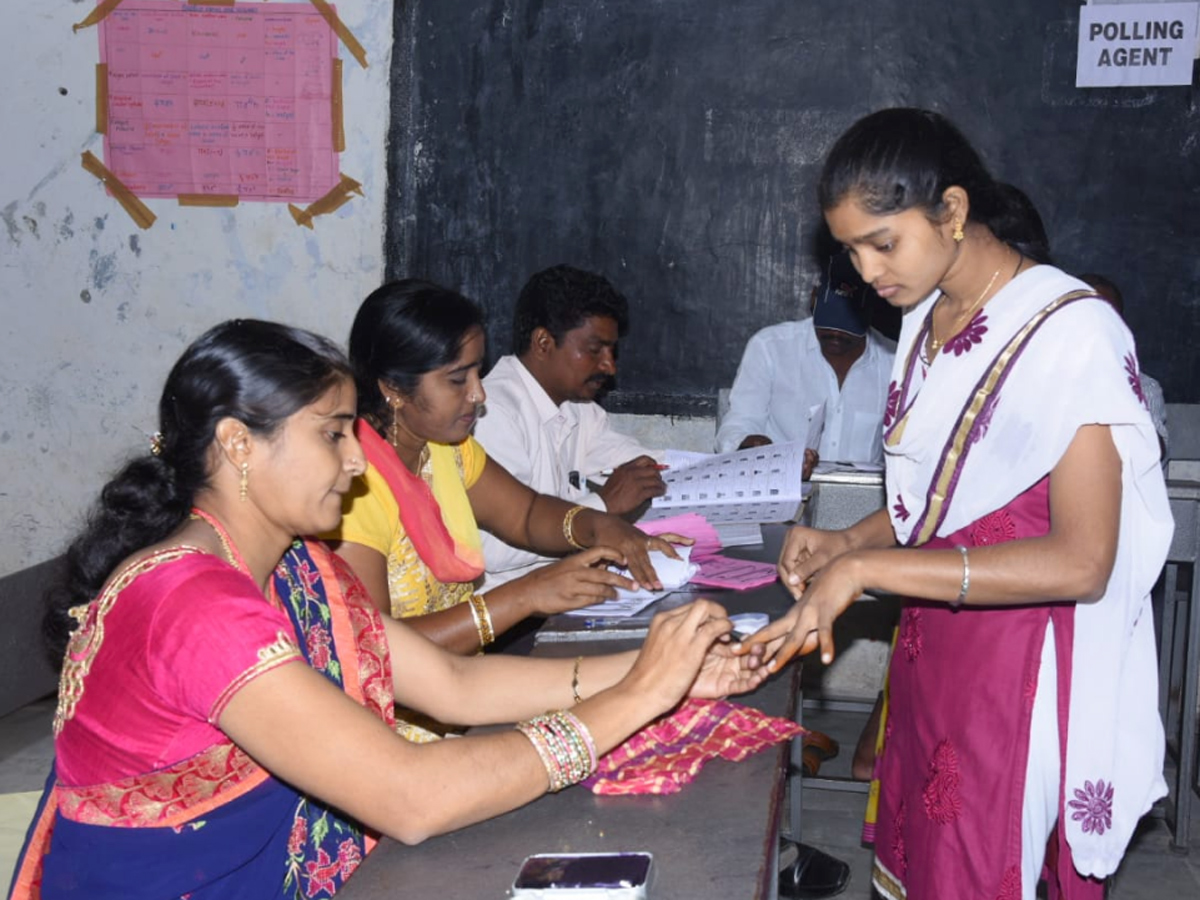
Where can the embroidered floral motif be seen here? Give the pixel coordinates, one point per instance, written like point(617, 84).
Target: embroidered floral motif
point(970, 335)
point(349, 856)
point(166, 798)
point(1093, 807)
point(324, 849)
point(374, 658)
point(983, 421)
point(319, 874)
point(899, 848)
point(1010, 885)
point(297, 586)
point(308, 576)
point(318, 641)
point(893, 404)
point(298, 836)
point(1135, 381)
point(943, 803)
point(910, 634)
point(902, 512)
point(994, 528)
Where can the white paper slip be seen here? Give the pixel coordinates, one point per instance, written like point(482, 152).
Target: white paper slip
point(673, 573)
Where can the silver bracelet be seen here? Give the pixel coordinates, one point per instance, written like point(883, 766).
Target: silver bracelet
point(966, 579)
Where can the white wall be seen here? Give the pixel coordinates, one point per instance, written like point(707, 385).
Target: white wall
point(96, 310)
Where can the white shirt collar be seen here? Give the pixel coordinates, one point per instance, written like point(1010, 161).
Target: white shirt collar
point(542, 402)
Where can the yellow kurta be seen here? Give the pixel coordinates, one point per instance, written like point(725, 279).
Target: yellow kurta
point(371, 517)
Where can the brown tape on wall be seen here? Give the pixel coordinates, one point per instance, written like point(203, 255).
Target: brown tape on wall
point(338, 196)
point(343, 33)
point(102, 98)
point(138, 211)
point(97, 15)
point(339, 128)
point(208, 199)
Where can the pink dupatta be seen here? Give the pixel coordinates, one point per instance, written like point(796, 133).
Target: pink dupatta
point(446, 549)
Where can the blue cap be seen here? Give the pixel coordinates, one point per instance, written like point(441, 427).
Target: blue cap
point(842, 298)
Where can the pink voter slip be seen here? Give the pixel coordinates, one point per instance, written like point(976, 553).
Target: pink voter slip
point(738, 574)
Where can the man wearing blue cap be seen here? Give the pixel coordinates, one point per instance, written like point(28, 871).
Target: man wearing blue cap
point(832, 361)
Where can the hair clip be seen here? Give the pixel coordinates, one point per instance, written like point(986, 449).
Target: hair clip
point(156, 443)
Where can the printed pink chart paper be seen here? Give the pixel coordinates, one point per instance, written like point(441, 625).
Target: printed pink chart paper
point(233, 100)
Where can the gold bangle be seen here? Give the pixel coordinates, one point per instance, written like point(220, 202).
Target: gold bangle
point(483, 620)
point(575, 680)
point(568, 530)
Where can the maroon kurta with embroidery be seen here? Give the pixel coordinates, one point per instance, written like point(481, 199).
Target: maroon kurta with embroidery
point(962, 684)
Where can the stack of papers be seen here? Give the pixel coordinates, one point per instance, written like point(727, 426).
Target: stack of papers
point(700, 563)
point(762, 484)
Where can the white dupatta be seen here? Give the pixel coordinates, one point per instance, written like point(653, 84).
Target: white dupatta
point(975, 430)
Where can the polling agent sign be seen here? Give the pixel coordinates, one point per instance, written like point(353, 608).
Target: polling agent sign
point(1123, 45)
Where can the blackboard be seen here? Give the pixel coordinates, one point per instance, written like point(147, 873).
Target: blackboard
point(674, 146)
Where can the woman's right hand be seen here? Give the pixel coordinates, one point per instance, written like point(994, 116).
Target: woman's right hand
point(805, 552)
point(578, 580)
point(682, 648)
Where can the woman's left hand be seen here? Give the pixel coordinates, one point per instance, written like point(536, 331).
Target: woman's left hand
point(809, 623)
point(613, 531)
point(724, 672)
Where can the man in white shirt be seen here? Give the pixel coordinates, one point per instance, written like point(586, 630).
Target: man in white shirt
point(541, 421)
point(832, 361)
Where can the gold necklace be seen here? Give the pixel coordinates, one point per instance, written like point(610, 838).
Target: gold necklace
point(199, 515)
point(934, 344)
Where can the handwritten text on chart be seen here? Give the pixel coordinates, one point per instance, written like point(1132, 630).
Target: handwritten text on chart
point(230, 100)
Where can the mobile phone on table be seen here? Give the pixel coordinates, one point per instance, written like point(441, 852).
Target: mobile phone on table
point(584, 876)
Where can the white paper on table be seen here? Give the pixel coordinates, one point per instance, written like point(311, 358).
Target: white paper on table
point(673, 573)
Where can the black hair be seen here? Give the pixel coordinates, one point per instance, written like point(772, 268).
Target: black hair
point(259, 373)
point(1107, 289)
point(1020, 225)
point(904, 158)
point(403, 330)
point(562, 298)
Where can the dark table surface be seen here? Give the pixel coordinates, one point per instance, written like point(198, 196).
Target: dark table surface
point(715, 838)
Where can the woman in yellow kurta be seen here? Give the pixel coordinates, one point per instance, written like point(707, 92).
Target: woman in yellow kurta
point(409, 528)
point(373, 520)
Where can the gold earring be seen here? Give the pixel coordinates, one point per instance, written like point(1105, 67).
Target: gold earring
point(244, 483)
point(395, 437)
point(958, 233)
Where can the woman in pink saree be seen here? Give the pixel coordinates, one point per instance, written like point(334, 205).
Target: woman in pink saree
point(225, 716)
point(1026, 519)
